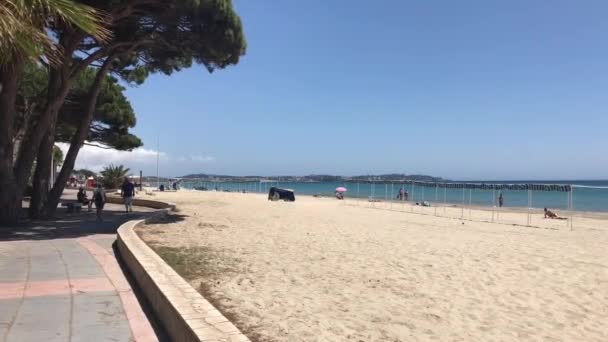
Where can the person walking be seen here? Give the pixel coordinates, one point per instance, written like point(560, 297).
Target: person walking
point(99, 197)
point(127, 191)
point(500, 200)
point(400, 195)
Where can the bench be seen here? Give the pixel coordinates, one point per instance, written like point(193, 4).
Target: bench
point(72, 206)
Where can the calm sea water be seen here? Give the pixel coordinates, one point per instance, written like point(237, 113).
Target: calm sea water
point(585, 198)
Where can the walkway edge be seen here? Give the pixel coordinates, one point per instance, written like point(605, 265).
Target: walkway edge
point(181, 310)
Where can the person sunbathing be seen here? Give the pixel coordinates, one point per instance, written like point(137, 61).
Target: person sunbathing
point(552, 215)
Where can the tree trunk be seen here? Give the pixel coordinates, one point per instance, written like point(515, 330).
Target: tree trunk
point(78, 139)
point(60, 79)
point(57, 92)
point(41, 180)
point(10, 195)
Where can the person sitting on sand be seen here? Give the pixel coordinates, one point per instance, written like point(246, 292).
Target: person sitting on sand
point(339, 195)
point(552, 215)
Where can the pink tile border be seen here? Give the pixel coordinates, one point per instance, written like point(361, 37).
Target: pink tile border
point(54, 287)
point(138, 322)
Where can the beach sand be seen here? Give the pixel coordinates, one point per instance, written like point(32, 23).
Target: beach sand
point(320, 269)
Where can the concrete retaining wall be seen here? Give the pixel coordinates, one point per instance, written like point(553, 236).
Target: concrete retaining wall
point(141, 202)
point(183, 312)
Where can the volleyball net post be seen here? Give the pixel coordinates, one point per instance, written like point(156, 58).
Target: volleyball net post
point(413, 197)
point(436, 197)
point(445, 199)
point(493, 203)
point(462, 207)
point(403, 200)
point(470, 195)
point(571, 207)
point(529, 217)
point(392, 194)
point(385, 194)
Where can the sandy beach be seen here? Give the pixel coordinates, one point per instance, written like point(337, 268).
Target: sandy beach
point(320, 269)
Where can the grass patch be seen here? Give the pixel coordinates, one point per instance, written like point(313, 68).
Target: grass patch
point(212, 266)
point(198, 262)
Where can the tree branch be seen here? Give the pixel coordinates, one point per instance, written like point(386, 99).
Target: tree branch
point(128, 10)
point(85, 62)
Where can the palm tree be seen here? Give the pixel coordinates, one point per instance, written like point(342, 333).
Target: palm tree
point(113, 175)
point(23, 25)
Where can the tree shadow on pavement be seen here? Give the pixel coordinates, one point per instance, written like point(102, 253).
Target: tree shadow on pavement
point(71, 225)
point(74, 225)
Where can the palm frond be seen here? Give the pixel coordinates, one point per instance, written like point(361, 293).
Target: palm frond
point(23, 26)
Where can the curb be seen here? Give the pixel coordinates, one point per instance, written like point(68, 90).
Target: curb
point(141, 202)
point(181, 310)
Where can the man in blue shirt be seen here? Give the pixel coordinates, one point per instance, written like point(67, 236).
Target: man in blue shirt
point(127, 191)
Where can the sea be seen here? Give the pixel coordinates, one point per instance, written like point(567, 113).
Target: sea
point(586, 195)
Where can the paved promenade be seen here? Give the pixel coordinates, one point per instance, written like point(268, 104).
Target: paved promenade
point(61, 281)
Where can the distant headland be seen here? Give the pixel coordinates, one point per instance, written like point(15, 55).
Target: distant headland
point(395, 177)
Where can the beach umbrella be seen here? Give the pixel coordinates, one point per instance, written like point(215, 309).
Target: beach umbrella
point(341, 189)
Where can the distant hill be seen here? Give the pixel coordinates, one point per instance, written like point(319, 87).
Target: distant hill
point(316, 178)
point(399, 177)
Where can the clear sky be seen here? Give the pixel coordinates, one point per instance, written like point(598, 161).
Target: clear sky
point(457, 89)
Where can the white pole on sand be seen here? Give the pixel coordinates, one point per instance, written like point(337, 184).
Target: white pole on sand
point(445, 199)
point(436, 197)
point(493, 203)
point(385, 193)
point(498, 209)
point(462, 208)
point(403, 200)
point(529, 206)
point(571, 207)
point(422, 198)
point(157, 158)
point(413, 198)
point(470, 191)
point(373, 190)
point(392, 194)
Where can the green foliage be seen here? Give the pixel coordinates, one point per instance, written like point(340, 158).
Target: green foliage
point(113, 116)
point(113, 175)
point(57, 156)
point(31, 94)
point(85, 173)
point(172, 35)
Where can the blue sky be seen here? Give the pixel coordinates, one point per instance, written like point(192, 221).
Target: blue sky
point(457, 89)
